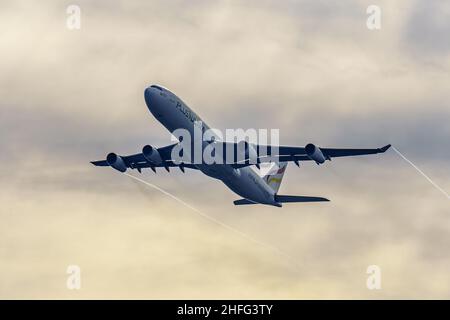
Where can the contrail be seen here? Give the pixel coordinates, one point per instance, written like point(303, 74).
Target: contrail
point(421, 172)
point(240, 233)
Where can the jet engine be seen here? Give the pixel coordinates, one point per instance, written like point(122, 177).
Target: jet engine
point(151, 155)
point(314, 153)
point(116, 162)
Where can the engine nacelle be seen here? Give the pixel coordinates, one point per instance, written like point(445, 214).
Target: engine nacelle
point(116, 162)
point(249, 151)
point(314, 153)
point(151, 155)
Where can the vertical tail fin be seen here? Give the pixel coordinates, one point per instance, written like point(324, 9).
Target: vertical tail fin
point(274, 175)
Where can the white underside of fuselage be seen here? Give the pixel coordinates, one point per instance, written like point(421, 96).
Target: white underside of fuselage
point(243, 181)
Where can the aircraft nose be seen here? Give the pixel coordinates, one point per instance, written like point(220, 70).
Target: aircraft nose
point(153, 100)
point(147, 91)
point(153, 90)
point(148, 96)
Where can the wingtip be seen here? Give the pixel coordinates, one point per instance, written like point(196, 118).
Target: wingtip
point(385, 148)
point(101, 163)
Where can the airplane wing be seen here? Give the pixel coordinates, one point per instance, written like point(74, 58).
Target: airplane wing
point(308, 153)
point(254, 154)
point(328, 153)
point(140, 160)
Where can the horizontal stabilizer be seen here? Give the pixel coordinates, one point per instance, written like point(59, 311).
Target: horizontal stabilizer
point(241, 202)
point(284, 199)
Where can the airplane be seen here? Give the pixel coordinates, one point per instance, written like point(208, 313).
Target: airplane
point(240, 177)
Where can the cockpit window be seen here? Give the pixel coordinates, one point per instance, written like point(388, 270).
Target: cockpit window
point(157, 87)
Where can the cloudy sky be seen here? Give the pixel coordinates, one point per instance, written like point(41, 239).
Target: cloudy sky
point(310, 68)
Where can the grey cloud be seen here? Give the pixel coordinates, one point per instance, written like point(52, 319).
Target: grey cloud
point(427, 28)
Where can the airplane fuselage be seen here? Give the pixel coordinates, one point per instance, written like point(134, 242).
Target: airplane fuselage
point(174, 114)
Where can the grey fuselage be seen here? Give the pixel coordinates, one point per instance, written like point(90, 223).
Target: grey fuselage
point(174, 114)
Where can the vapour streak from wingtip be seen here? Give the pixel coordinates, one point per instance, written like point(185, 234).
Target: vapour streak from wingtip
point(421, 172)
point(240, 233)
